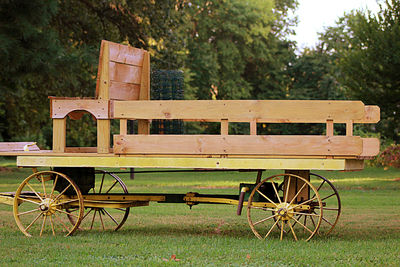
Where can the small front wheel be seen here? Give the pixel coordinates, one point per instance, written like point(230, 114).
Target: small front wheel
point(41, 202)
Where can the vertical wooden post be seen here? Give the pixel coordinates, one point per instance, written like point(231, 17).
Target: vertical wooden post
point(296, 184)
point(59, 134)
point(253, 127)
point(144, 94)
point(224, 127)
point(103, 136)
point(104, 77)
point(349, 128)
point(123, 126)
point(329, 127)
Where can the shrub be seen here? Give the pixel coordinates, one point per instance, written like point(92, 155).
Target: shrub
point(390, 157)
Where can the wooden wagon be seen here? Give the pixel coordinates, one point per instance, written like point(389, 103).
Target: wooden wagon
point(74, 192)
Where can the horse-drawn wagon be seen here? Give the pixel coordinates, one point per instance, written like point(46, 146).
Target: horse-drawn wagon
point(75, 192)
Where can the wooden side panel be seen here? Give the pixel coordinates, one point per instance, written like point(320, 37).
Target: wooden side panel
point(126, 54)
point(62, 107)
point(125, 73)
point(277, 111)
point(370, 147)
point(59, 134)
point(17, 146)
point(295, 186)
point(238, 145)
point(372, 115)
point(124, 91)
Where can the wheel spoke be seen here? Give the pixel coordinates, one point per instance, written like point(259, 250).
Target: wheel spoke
point(68, 213)
point(28, 200)
point(282, 230)
point(266, 197)
point(44, 223)
point(116, 181)
point(272, 227)
point(34, 220)
point(44, 187)
point(265, 219)
point(331, 195)
point(94, 216)
point(320, 186)
point(312, 220)
point(287, 189)
point(305, 227)
point(326, 220)
point(87, 213)
point(298, 205)
point(102, 181)
point(54, 186)
point(262, 208)
point(52, 225)
point(34, 191)
point(59, 195)
point(298, 192)
point(276, 192)
point(306, 214)
point(28, 212)
point(112, 218)
point(101, 220)
point(291, 229)
point(63, 224)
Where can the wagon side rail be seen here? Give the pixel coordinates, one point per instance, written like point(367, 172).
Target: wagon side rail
point(253, 112)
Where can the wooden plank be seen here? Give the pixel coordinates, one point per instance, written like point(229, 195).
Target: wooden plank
point(276, 111)
point(185, 162)
point(224, 127)
point(123, 126)
point(60, 108)
point(103, 78)
point(144, 125)
point(59, 134)
point(372, 115)
point(103, 136)
point(237, 144)
point(18, 146)
point(125, 73)
point(124, 91)
point(371, 147)
point(126, 54)
point(295, 186)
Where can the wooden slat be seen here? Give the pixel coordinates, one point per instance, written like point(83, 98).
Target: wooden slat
point(123, 126)
point(144, 125)
point(237, 144)
point(17, 146)
point(103, 80)
point(62, 107)
point(124, 91)
point(349, 128)
point(59, 134)
point(329, 128)
point(253, 127)
point(372, 115)
point(277, 111)
point(370, 147)
point(125, 73)
point(126, 54)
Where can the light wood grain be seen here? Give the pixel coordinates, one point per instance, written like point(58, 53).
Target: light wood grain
point(60, 108)
point(224, 127)
point(59, 132)
point(277, 111)
point(125, 73)
point(238, 144)
point(103, 78)
point(126, 54)
point(17, 146)
point(103, 136)
point(124, 91)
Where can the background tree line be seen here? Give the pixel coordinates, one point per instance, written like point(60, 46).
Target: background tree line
point(227, 49)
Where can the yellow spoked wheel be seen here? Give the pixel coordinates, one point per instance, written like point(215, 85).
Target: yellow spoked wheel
point(274, 213)
point(99, 217)
point(41, 203)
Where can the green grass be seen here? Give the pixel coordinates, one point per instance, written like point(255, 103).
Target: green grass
point(368, 232)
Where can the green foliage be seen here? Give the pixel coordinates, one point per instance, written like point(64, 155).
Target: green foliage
point(367, 49)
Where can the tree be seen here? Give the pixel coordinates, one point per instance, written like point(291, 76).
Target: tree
point(367, 48)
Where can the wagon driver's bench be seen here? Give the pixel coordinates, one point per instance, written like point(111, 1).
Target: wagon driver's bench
point(74, 194)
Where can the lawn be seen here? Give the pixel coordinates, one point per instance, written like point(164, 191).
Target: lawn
point(368, 232)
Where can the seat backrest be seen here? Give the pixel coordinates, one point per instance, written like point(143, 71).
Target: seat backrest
point(123, 73)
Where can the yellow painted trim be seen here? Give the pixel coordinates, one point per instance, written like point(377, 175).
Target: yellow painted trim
point(189, 162)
